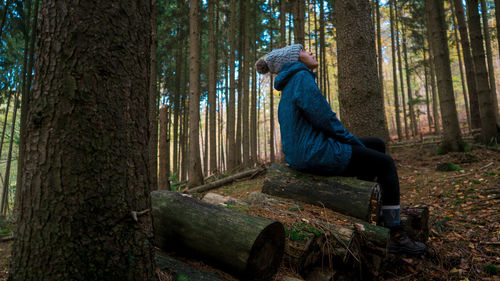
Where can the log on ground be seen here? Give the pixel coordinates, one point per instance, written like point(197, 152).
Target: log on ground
point(349, 196)
point(247, 246)
point(179, 271)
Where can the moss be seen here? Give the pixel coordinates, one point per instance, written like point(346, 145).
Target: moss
point(491, 269)
point(301, 231)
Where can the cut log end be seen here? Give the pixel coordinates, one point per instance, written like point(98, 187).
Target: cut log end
point(267, 251)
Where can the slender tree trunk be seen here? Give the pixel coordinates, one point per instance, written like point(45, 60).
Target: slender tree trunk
point(4, 16)
point(486, 108)
point(212, 77)
point(427, 100)
point(357, 54)
point(283, 23)
point(298, 21)
point(86, 166)
point(398, 45)
point(195, 175)
point(246, 86)
point(316, 54)
point(153, 107)
point(205, 151)
point(271, 113)
point(5, 122)
point(177, 94)
point(240, 84)
point(497, 16)
point(489, 59)
point(413, 120)
point(469, 65)
point(435, 109)
point(231, 150)
point(379, 50)
point(321, 47)
point(394, 72)
point(452, 139)
point(253, 106)
point(6, 184)
point(462, 79)
point(164, 140)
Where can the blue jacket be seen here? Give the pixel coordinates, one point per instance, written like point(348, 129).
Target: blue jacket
point(313, 138)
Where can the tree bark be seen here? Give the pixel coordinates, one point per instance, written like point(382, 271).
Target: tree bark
point(357, 55)
point(400, 67)
point(435, 110)
point(497, 16)
point(86, 166)
point(489, 59)
point(253, 106)
point(462, 79)
point(298, 21)
point(469, 65)
point(246, 86)
point(153, 97)
point(282, 23)
point(231, 150)
point(248, 246)
point(452, 139)
point(195, 175)
point(212, 77)
point(486, 108)
point(426, 78)
point(394, 73)
point(379, 50)
point(413, 119)
point(356, 198)
point(164, 172)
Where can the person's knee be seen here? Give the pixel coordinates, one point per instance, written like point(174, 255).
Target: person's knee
point(378, 144)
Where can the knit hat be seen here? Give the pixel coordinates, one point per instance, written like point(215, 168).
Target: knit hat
point(276, 58)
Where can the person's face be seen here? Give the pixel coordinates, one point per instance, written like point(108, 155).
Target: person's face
point(308, 59)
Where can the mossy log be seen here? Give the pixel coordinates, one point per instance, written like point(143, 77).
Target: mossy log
point(349, 196)
point(247, 246)
point(181, 271)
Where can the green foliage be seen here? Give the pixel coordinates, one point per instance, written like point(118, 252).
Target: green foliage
point(5, 227)
point(295, 208)
point(300, 231)
point(491, 269)
point(239, 208)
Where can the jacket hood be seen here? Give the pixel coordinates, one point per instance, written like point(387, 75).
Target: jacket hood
point(288, 70)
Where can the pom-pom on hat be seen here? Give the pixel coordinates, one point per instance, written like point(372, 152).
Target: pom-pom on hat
point(276, 58)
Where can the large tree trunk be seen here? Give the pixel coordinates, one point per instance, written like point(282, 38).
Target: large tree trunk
point(452, 139)
point(212, 77)
point(164, 171)
point(497, 16)
point(248, 246)
point(350, 196)
point(486, 109)
point(298, 21)
point(469, 65)
point(230, 127)
point(356, 54)
point(195, 175)
point(394, 73)
point(86, 166)
point(489, 59)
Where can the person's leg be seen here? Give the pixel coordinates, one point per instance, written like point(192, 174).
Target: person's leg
point(366, 162)
point(374, 143)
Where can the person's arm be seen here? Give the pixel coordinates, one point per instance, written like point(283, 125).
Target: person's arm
point(317, 111)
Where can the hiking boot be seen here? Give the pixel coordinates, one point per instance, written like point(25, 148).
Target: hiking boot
point(401, 243)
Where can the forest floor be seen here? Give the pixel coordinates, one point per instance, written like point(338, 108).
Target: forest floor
point(464, 206)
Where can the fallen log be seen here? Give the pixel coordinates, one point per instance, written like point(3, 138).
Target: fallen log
point(218, 183)
point(247, 246)
point(350, 196)
point(179, 271)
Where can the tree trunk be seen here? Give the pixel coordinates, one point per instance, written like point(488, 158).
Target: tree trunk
point(153, 98)
point(246, 86)
point(227, 180)
point(282, 23)
point(379, 50)
point(452, 139)
point(321, 47)
point(400, 67)
point(271, 112)
point(5, 122)
point(462, 79)
point(394, 73)
point(6, 184)
point(435, 110)
point(164, 173)
point(469, 65)
point(413, 119)
point(489, 59)
point(181, 271)
point(357, 54)
point(4, 16)
point(212, 80)
point(497, 16)
point(356, 198)
point(86, 166)
point(486, 108)
point(195, 175)
point(248, 246)
point(177, 94)
point(298, 21)
point(253, 106)
point(231, 150)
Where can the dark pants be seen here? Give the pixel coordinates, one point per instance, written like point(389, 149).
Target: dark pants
point(372, 162)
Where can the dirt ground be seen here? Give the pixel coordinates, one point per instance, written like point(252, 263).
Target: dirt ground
point(464, 209)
